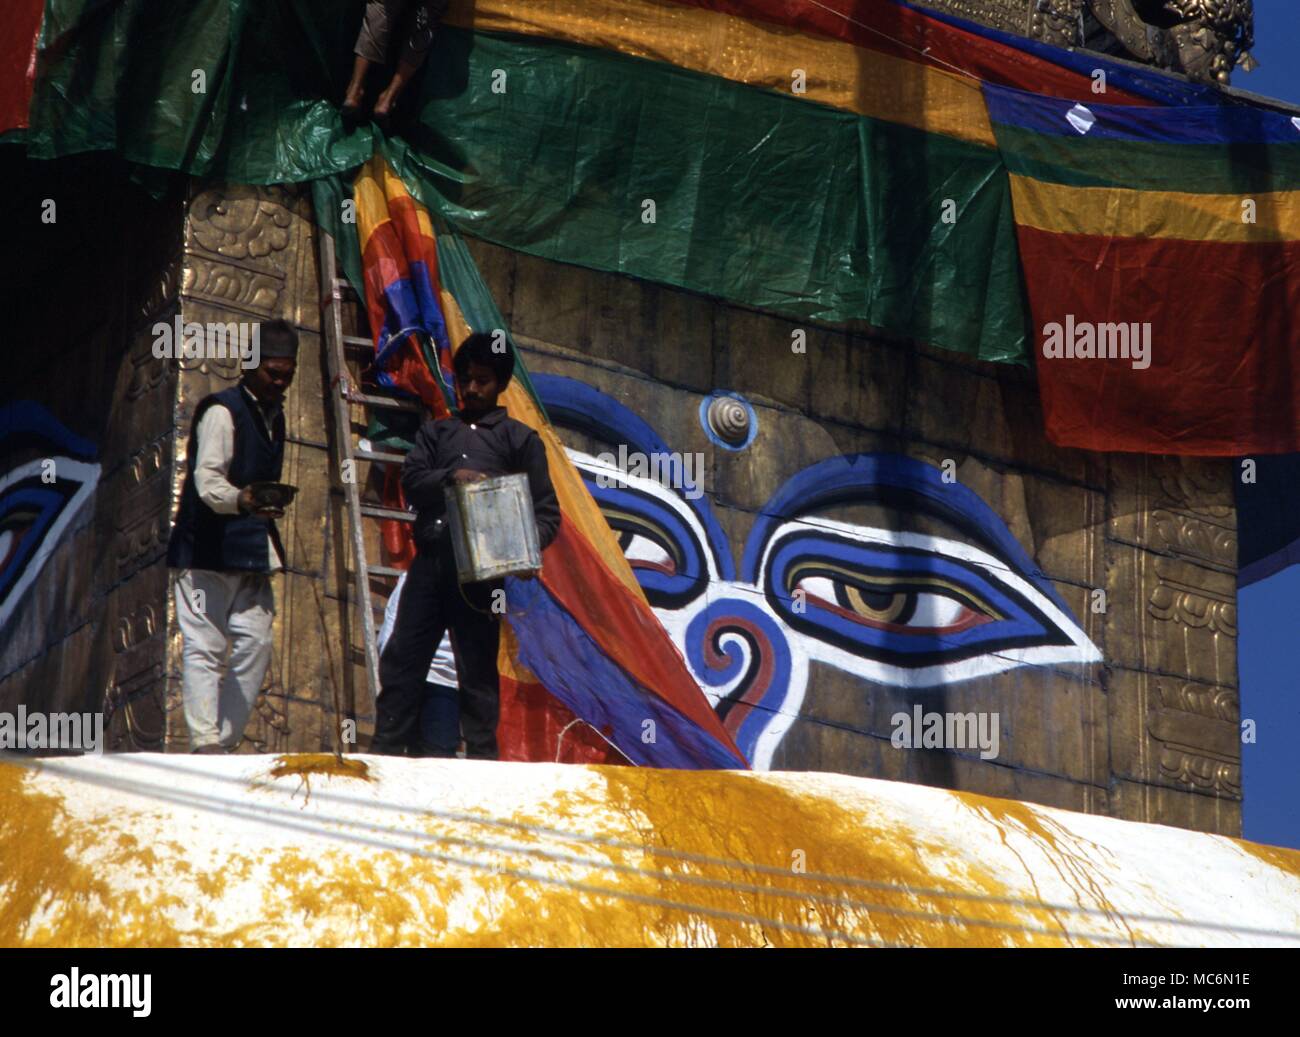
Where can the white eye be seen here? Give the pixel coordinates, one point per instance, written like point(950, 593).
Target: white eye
point(863, 625)
point(928, 609)
point(646, 551)
point(936, 610)
point(818, 587)
point(55, 519)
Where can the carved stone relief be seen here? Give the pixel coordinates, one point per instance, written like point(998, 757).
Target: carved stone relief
point(235, 242)
point(1205, 39)
point(1196, 728)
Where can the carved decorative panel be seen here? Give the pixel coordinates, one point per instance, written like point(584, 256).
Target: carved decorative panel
point(236, 246)
point(1205, 39)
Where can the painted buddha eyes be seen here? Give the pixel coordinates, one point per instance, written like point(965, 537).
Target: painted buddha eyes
point(876, 600)
point(644, 551)
point(33, 515)
point(906, 609)
point(13, 528)
point(656, 533)
point(38, 496)
point(913, 603)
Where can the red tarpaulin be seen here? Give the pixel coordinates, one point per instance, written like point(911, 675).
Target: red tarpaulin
point(18, 61)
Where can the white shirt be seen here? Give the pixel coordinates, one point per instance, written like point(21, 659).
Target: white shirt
point(214, 452)
point(443, 668)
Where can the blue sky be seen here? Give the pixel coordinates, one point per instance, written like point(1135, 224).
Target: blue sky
point(1269, 612)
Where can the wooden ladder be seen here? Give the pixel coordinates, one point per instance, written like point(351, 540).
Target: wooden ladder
point(345, 393)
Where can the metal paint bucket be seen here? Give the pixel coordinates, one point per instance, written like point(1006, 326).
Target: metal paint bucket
point(493, 531)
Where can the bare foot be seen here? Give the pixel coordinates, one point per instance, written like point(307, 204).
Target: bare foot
point(356, 92)
point(384, 105)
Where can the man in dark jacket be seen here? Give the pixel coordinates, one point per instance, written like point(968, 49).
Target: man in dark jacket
point(224, 550)
point(480, 442)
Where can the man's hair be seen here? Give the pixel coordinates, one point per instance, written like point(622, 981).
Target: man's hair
point(480, 348)
point(279, 339)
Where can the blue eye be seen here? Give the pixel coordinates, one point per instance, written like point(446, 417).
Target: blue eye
point(39, 495)
point(16, 526)
point(909, 606)
point(662, 549)
point(901, 608)
point(673, 543)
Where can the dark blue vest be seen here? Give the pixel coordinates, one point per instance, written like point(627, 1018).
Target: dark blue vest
point(202, 539)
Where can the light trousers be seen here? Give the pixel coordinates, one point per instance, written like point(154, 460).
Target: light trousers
point(405, 24)
point(220, 612)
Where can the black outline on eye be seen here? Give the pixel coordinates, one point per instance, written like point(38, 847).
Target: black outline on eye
point(1023, 623)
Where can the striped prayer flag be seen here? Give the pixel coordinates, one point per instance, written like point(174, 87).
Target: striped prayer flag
point(1177, 227)
point(400, 260)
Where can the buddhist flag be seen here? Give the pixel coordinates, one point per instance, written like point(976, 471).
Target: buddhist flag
point(1161, 252)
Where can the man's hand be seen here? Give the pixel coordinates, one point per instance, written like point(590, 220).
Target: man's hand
point(245, 502)
point(465, 475)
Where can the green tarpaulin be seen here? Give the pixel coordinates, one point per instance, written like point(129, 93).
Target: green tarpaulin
point(756, 197)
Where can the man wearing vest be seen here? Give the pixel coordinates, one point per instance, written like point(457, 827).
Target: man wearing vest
point(225, 551)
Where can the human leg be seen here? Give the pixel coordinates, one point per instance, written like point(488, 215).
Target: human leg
point(374, 42)
point(377, 27)
point(252, 614)
point(438, 732)
point(404, 663)
point(355, 97)
point(420, 26)
point(475, 633)
point(202, 601)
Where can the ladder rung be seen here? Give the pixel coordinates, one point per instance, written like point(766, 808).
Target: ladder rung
point(375, 511)
point(356, 342)
point(383, 570)
point(378, 455)
point(346, 285)
point(383, 401)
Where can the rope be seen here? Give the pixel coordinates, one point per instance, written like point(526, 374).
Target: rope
point(925, 53)
point(559, 741)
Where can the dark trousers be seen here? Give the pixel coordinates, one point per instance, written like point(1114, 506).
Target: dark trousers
point(433, 601)
point(437, 733)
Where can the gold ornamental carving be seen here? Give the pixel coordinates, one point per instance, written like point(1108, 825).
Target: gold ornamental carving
point(1200, 772)
point(1189, 535)
point(1202, 699)
point(1203, 39)
point(239, 222)
point(1195, 607)
point(237, 247)
point(1197, 729)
